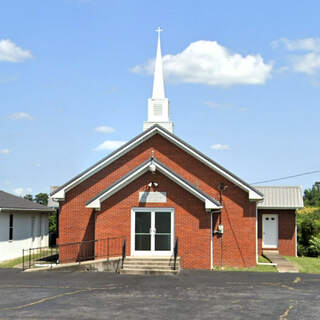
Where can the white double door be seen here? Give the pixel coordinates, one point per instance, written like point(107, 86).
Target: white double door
point(270, 231)
point(152, 231)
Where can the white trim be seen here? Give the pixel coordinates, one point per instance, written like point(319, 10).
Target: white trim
point(252, 194)
point(60, 194)
point(152, 252)
point(96, 203)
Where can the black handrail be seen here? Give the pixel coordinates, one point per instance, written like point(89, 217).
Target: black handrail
point(124, 246)
point(175, 252)
point(84, 250)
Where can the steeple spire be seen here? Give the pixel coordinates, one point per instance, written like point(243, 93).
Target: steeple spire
point(158, 105)
point(158, 83)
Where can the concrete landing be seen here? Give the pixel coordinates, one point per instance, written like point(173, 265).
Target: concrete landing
point(283, 265)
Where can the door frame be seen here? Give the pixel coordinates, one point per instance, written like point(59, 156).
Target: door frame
point(276, 216)
point(151, 209)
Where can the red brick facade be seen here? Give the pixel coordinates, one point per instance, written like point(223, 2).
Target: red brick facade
point(286, 231)
point(237, 247)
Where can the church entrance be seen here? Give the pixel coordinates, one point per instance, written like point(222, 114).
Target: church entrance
point(152, 231)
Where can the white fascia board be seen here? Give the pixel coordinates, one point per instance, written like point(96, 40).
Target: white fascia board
point(60, 195)
point(96, 203)
point(252, 195)
point(279, 208)
point(208, 204)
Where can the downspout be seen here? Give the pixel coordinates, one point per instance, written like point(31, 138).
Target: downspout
point(257, 232)
point(94, 234)
point(211, 240)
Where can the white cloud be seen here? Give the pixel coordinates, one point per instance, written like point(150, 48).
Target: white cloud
point(21, 191)
point(308, 63)
point(110, 145)
point(5, 151)
point(219, 146)
point(306, 44)
point(104, 129)
point(10, 52)
point(207, 62)
point(20, 116)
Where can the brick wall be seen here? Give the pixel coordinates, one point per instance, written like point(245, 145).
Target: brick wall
point(238, 216)
point(286, 230)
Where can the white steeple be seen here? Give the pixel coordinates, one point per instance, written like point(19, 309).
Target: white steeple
point(158, 105)
point(158, 83)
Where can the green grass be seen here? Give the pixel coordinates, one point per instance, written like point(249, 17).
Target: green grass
point(10, 263)
point(258, 268)
point(306, 264)
point(17, 262)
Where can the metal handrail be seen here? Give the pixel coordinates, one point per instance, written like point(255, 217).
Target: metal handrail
point(175, 252)
point(86, 251)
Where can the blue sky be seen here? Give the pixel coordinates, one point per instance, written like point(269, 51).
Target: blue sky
point(243, 79)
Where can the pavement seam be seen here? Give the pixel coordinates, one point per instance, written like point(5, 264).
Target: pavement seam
point(54, 297)
point(285, 314)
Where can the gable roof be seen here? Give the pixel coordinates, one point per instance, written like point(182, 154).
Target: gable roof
point(95, 202)
point(278, 197)
point(10, 202)
point(59, 194)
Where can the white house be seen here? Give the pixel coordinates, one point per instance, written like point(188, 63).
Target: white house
point(23, 224)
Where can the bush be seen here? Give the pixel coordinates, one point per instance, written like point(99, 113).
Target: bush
point(308, 229)
point(314, 247)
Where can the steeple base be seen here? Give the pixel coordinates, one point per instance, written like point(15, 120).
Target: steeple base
point(168, 125)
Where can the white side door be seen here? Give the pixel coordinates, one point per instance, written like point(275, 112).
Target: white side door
point(270, 231)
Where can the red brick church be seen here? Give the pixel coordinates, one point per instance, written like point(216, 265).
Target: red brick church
point(157, 189)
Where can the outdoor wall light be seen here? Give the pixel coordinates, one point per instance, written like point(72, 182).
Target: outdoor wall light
point(155, 184)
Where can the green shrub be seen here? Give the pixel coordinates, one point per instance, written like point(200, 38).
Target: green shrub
point(314, 247)
point(308, 227)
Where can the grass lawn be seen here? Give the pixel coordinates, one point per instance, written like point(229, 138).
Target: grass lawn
point(17, 262)
point(258, 268)
point(10, 263)
point(306, 264)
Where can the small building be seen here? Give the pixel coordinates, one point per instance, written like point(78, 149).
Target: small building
point(157, 189)
point(277, 227)
point(23, 225)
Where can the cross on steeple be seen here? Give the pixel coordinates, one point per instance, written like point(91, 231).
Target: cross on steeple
point(159, 30)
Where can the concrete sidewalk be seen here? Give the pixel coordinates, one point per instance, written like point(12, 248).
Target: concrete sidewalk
point(283, 265)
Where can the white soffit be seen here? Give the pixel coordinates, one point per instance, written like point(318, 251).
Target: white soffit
point(59, 194)
point(95, 203)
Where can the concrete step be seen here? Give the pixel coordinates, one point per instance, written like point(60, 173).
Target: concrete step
point(142, 258)
point(148, 263)
point(149, 272)
point(148, 267)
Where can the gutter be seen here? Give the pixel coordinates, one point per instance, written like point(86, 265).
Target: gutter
point(27, 210)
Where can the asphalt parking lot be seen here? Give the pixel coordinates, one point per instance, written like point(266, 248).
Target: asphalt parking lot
point(191, 295)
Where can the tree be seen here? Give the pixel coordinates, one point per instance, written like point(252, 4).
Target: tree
point(312, 195)
point(41, 198)
point(29, 197)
